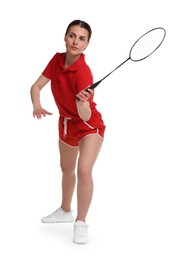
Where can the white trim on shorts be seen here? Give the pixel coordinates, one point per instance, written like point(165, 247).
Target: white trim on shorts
point(97, 133)
point(82, 139)
point(69, 144)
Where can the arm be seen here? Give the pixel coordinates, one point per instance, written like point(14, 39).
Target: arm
point(35, 97)
point(83, 106)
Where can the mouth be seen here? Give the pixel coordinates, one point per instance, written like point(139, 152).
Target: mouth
point(73, 48)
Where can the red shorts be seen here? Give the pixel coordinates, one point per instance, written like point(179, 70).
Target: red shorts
point(72, 131)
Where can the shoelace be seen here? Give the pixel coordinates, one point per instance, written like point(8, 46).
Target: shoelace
point(80, 228)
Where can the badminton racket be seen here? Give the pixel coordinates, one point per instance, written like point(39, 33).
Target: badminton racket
point(144, 47)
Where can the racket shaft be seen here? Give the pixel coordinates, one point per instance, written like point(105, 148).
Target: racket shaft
point(98, 82)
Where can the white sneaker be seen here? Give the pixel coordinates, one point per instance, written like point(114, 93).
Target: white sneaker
point(59, 216)
point(80, 232)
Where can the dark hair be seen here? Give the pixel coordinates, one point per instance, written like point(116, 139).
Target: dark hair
point(82, 24)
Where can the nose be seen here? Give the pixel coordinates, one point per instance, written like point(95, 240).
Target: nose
point(75, 41)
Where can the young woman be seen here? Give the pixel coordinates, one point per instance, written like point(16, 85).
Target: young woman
point(81, 128)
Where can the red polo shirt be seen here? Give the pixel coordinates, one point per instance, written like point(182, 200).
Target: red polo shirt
point(67, 82)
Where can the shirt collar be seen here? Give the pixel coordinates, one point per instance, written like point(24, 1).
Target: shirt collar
point(75, 66)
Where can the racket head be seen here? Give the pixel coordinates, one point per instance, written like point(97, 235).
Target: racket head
point(147, 44)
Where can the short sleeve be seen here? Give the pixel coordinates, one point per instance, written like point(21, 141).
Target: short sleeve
point(84, 79)
point(48, 71)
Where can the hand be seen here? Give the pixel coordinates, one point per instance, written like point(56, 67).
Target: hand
point(84, 95)
point(39, 112)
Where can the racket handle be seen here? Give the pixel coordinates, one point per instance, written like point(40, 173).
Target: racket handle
point(91, 87)
point(94, 85)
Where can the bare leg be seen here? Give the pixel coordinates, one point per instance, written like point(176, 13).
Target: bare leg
point(68, 158)
point(89, 149)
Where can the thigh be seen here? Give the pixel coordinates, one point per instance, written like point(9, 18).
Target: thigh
point(68, 156)
point(90, 147)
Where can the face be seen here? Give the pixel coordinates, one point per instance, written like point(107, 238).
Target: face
point(76, 40)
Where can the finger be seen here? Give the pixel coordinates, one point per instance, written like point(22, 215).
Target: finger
point(86, 94)
point(82, 96)
point(91, 91)
point(43, 113)
point(38, 116)
point(48, 113)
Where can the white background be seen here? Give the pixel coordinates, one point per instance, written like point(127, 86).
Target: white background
point(139, 208)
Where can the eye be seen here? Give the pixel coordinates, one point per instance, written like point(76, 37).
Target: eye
point(82, 39)
point(71, 35)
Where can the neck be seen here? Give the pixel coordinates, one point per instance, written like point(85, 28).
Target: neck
point(70, 59)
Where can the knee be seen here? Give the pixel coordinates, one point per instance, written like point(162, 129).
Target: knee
point(84, 174)
point(67, 170)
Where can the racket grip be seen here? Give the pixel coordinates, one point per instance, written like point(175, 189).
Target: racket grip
point(93, 86)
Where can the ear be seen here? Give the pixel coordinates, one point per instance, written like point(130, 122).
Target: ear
point(86, 45)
